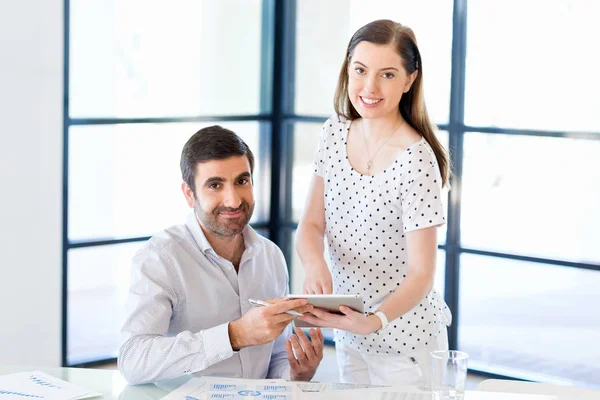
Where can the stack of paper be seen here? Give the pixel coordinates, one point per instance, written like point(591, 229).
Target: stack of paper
point(214, 388)
point(38, 385)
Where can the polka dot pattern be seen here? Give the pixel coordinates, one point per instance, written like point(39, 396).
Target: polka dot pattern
point(367, 218)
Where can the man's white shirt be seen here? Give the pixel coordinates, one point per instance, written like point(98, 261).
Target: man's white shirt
point(181, 300)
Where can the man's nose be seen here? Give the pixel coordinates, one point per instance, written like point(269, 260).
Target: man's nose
point(232, 199)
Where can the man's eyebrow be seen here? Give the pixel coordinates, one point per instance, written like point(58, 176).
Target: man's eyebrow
point(243, 175)
point(214, 179)
point(382, 69)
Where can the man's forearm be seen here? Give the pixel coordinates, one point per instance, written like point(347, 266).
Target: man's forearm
point(151, 358)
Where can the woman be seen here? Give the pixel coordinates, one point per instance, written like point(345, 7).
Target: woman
point(376, 195)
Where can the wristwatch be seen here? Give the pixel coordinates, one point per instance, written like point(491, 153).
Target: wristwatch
point(382, 318)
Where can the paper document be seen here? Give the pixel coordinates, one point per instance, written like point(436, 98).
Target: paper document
point(214, 388)
point(38, 385)
point(210, 388)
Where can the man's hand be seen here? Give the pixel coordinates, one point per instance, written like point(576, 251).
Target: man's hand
point(308, 354)
point(263, 324)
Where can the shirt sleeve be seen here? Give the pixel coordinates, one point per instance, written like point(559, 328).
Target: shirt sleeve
point(421, 189)
point(279, 366)
point(146, 354)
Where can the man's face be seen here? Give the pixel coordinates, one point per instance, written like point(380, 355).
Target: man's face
point(223, 201)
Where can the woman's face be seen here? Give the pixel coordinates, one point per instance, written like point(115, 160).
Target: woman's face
point(377, 80)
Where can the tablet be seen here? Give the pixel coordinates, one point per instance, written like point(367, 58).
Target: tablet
point(329, 302)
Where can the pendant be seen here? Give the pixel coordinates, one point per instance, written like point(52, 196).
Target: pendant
point(369, 164)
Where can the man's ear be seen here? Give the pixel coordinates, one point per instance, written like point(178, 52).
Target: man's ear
point(189, 194)
point(411, 80)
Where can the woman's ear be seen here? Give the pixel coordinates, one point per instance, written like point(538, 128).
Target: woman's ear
point(411, 80)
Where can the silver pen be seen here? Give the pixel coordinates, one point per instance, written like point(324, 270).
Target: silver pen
point(260, 303)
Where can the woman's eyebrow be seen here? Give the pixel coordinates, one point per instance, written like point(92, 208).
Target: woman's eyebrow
point(382, 69)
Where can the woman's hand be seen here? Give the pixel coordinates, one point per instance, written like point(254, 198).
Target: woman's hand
point(318, 280)
point(350, 321)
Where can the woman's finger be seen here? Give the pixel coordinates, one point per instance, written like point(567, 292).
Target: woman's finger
point(311, 319)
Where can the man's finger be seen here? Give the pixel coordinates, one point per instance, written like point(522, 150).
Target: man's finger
point(282, 318)
point(317, 342)
point(300, 354)
point(308, 347)
point(287, 305)
point(290, 354)
point(276, 300)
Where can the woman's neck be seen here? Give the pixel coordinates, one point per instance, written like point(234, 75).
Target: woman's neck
point(377, 129)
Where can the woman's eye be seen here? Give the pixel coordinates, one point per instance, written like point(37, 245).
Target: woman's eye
point(359, 70)
point(388, 75)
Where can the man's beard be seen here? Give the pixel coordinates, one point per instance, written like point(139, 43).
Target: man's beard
point(225, 226)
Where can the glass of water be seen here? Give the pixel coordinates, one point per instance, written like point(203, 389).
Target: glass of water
point(448, 374)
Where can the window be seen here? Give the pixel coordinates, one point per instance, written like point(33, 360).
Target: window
point(137, 91)
point(511, 85)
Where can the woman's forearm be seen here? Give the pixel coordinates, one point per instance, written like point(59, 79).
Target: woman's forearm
point(309, 245)
point(406, 296)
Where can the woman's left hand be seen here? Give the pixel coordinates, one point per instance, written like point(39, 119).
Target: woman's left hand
point(350, 321)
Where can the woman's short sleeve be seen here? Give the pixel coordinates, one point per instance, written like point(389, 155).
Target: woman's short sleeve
point(421, 189)
point(319, 158)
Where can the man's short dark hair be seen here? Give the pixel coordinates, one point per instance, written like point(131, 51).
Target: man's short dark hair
point(211, 143)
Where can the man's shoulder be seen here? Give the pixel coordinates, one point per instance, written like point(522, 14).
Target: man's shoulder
point(269, 249)
point(268, 245)
point(169, 240)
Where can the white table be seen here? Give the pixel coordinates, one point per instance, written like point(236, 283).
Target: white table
point(112, 385)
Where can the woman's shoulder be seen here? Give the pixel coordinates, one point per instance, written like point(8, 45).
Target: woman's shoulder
point(419, 149)
point(336, 123)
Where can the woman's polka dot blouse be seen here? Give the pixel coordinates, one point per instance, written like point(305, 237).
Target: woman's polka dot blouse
point(367, 218)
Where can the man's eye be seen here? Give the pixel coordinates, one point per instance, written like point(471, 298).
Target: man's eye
point(214, 186)
point(243, 181)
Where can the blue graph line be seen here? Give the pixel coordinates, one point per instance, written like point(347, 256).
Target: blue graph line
point(221, 396)
point(190, 398)
point(274, 388)
point(31, 396)
point(223, 386)
point(275, 396)
point(42, 382)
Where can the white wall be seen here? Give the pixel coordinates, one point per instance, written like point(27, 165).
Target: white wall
point(31, 68)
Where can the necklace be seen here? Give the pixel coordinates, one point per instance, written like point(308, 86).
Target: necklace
point(371, 159)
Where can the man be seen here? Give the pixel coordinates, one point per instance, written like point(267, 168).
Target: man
point(188, 309)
